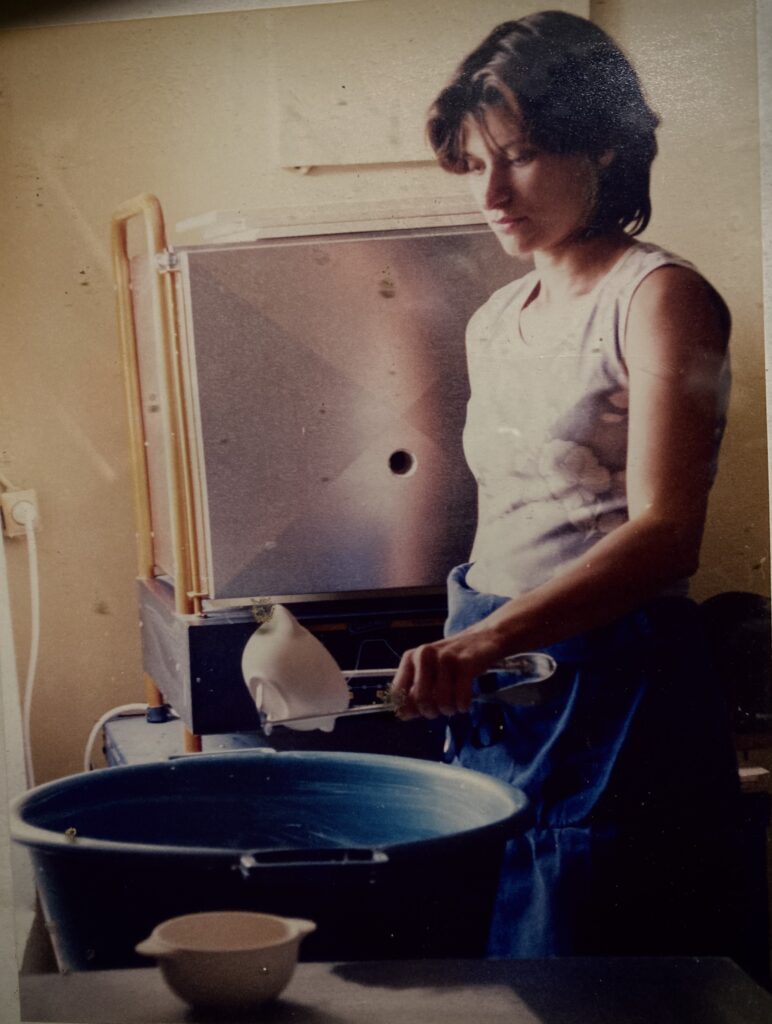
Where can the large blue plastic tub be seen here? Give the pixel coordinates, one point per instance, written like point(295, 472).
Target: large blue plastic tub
point(392, 857)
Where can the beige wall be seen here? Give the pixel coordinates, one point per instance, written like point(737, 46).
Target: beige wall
point(184, 108)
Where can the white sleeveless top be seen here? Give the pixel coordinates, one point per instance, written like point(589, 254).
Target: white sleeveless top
point(546, 429)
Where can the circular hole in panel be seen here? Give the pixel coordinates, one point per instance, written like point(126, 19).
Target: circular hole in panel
point(402, 462)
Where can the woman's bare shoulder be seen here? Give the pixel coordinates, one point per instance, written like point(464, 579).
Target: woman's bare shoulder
point(675, 307)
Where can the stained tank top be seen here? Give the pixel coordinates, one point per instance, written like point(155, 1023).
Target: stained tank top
point(547, 426)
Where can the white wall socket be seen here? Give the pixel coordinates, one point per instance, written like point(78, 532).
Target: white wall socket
point(16, 506)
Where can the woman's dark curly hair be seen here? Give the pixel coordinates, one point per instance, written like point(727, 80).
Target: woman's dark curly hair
point(574, 91)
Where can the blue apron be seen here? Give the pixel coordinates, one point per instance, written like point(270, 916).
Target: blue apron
point(631, 775)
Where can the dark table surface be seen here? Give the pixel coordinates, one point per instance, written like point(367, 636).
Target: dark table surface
point(559, 991)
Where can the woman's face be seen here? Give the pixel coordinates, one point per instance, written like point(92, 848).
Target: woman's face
point(533, 200)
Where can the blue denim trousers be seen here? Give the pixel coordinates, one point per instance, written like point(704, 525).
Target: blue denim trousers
point(631, 775)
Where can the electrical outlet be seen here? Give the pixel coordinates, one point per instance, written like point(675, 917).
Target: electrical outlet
point(16, 506)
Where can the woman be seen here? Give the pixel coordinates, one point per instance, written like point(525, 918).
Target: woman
point(598, 393)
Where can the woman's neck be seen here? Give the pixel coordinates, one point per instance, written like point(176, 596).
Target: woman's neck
point(573, 269)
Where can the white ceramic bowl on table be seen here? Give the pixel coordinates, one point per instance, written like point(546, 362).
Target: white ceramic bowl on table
point(227, 959)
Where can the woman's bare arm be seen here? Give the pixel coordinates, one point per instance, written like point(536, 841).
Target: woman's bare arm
point(675, 346)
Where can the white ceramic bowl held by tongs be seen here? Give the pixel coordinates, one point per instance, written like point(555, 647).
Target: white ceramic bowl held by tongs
point(227, 960)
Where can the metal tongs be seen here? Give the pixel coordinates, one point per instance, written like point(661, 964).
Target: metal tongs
point(535, 684)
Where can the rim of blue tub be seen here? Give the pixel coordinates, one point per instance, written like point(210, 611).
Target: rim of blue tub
point(511, 821)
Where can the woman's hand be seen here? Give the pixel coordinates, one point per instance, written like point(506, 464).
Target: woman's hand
point(436, 679)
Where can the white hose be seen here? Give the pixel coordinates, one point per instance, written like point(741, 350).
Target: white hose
point(34, 589)
point(29, 686)
point(122, 711)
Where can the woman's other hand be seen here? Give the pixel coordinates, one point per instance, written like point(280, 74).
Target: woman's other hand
point(436, 679)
